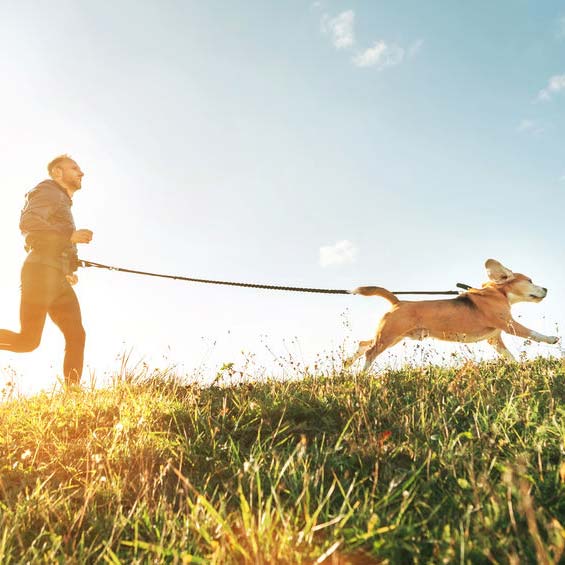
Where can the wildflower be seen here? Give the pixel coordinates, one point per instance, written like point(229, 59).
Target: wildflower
point(26, 454)
point(383, 437)
point(119, 427)
point(250, 466)
point(302, 445)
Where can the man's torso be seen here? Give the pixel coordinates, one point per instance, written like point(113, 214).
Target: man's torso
point(47, 224)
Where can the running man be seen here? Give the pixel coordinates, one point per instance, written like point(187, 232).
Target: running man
point(48, 272)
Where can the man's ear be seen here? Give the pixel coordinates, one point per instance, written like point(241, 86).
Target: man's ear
point(497, 272)
point(55, 173)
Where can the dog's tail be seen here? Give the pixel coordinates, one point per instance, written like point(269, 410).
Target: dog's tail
point(376, 291)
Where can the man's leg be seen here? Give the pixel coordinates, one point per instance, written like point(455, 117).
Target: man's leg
point(65, 312)
point(36, 291)
point(32, 319)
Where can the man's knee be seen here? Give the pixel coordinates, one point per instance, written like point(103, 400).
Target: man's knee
point(28, 344)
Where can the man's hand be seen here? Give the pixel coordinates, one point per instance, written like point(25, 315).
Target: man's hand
point(81, 236)
point(72, 279)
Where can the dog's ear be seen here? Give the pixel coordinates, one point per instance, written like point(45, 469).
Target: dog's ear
point(497, 272)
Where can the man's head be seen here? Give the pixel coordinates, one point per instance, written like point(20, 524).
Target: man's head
point(64, 170)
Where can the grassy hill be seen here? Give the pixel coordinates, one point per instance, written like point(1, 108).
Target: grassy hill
point(427, 465)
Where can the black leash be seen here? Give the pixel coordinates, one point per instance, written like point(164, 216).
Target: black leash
point(83, 263)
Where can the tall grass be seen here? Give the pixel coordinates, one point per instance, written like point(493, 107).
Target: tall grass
point(420, 465)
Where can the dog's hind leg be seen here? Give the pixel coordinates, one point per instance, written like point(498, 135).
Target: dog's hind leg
point(501, 348)
point(383, 341)
point(391, 330)
point(363, 346)
point(377, 349)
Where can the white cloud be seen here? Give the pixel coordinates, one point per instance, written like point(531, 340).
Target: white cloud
point(380, 55)
point(415, 48)
point(555, 85)
point(341, 28)
point(530, 126)
point(525, 125)
point(343, 252)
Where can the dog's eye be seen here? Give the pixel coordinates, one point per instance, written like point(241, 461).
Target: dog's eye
point(530, 281)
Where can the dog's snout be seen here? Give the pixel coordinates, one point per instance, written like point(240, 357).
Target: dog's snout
point(543, 292)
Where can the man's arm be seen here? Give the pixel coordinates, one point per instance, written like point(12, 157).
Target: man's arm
point(37, 212)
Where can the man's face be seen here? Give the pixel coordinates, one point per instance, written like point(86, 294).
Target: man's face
point(70, 175)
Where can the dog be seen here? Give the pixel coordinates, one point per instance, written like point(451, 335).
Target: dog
point(476, 315)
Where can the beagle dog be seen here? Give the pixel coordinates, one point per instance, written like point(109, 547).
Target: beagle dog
point(476, 315)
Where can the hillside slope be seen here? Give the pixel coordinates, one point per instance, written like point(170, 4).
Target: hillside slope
point(420, 465)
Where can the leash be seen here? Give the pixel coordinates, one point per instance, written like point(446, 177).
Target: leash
point(83, 263)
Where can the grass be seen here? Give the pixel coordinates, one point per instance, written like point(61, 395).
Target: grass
point(419, 465)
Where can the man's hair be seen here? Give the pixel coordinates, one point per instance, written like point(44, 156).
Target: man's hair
point(56, 162)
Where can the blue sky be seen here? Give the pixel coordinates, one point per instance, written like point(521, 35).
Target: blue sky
point(249, 140)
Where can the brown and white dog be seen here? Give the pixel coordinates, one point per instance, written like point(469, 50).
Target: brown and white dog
point(476, 315)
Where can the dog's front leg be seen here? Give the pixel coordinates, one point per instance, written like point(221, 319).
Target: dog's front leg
point(501, 348)
point(514, 328)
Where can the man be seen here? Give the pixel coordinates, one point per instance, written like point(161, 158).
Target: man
point(48, 272)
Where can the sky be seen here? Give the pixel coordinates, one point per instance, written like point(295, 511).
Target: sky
point(328, 144)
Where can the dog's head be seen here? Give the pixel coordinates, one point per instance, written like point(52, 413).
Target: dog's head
point(517, 287)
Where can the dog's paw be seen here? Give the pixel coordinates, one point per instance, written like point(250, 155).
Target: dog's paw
point(552, 339)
